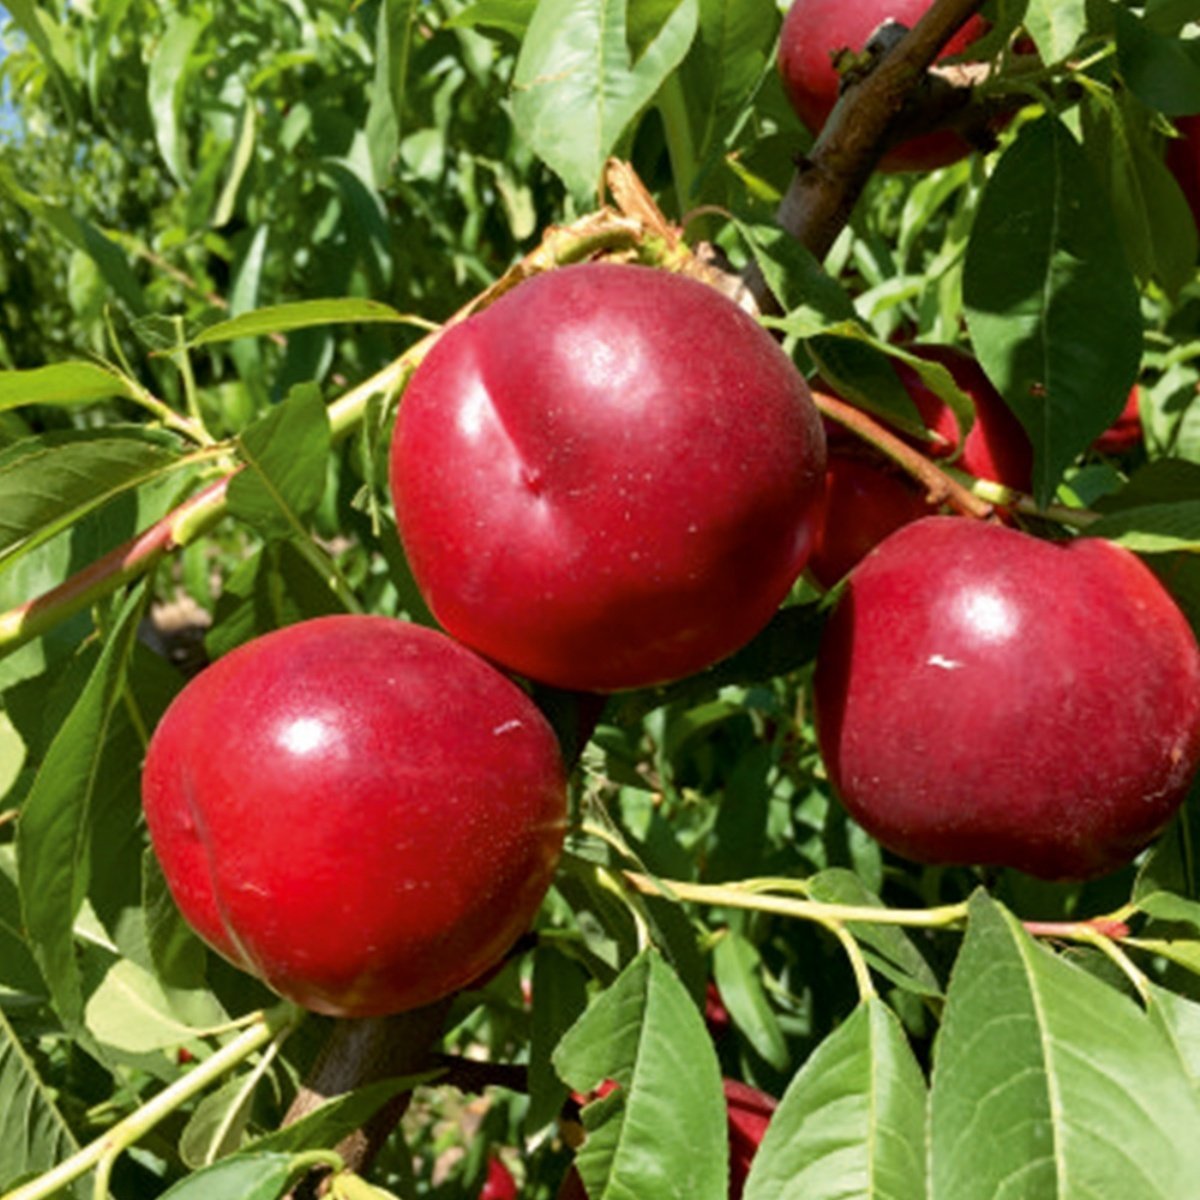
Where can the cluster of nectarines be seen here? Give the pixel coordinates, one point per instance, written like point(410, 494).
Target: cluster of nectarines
point(609, 479)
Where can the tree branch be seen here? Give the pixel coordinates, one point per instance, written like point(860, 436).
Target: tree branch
point(869, 113)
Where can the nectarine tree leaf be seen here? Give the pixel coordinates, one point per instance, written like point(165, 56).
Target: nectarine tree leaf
point(1166, 906)
point(34, 1135)
point(1157, 228)
point(725, 67)
point(165, 88)
point(852, 1121)
point(52, 481)
point(303, 314)
point(510, 16)
point(1056, 26)
point(1049, 297)
point(19, 975)
point(577, 89)
point(65, 383)
point(177, 955)
point(1152, 528)
point(286, 455)
point(1179, 1020)
point(1161, 70)
point(646, 1034)
point(393, 53)
point(1036, 1065)
point(888, 948)
point(559, 997)
point(132, 1011)
point(52, 837)
point(737, 969)
point(246, 1176)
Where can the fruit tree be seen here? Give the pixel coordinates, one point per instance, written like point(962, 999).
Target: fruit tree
point(599, 599)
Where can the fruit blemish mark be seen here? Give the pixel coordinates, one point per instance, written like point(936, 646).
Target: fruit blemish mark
point(507, 726)
point(940, 660)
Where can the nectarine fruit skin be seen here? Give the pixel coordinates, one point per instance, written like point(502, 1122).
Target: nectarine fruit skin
point(357, 810)
point(984, 697)
point(608, 479)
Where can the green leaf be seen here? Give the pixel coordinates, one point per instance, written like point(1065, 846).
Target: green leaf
point(1050, 301)
point(52, 834)
point(812, 300)
point(50, 482)
point(285, 453)
point(132, 1011)
point(737, 968)
point(1152, 528)
point(1056, 26)
point(852, 1122)
point(889, 949)
point(393, 52)
point(165, 88)
point(578, 90)
point(246, 1176)
point(1036, 1065)
point(1162, 71)
point(303, 314)
point(1166, 906)
point(645, 1033)
point(28, 17)
point(217, 1126)
point(509, 16)
point(559, 997)
point(1178, 1019)
point(64, 383)
point(243, 155)
point(335, 1119)
point(19, 975)
point(1157, 228)
point(33, 1134)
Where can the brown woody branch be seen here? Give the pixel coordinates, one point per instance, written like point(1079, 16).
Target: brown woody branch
point(870, 114)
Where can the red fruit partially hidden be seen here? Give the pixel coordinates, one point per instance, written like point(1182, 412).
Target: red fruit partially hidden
point(1183, 160)
point(608, 479)
point(749, 1114)
point(1126, 431)
point(357, 810)
point(499, 1184)
point(815, 30)
point(984, 697)
point(864, 502)
point(997, 448)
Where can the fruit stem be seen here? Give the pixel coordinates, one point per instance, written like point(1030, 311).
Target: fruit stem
point(941, 487)
point(1006, 497)
point(749, 895)
point(104, 1150)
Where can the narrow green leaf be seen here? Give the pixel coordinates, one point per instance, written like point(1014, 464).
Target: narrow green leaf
point(248, 1177)
point(737, 968)
point(304, 314)
point(52, 835)
point(28, 17)
point(578, 90)
point(19, 975)
point(645, 1034)
point(64, 383)
point(812, 299)
point(559, 998)
point(393, 51)
point(1152, 528)
point(52, 481)
point(1049, 298)
point(33, 1134)
point(889, 949)
point(852, 1122)
point(1179, 1021)
point(509, 16)
point(165, 82)
point(132, 1011)
point(243, 155)
point(1166, 906)
point(330, 1122)
point(1161, 70)
point(286, 453)
point(1036, 1065)
point(1056, 26)
point(217, 1126)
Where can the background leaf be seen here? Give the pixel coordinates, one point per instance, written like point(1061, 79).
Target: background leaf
point(1051, 305)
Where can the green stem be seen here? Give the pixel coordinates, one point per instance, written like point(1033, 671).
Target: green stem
point(736, 895)
point(125, 1133)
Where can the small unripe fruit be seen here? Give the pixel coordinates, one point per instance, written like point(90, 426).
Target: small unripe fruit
point(357, 810)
